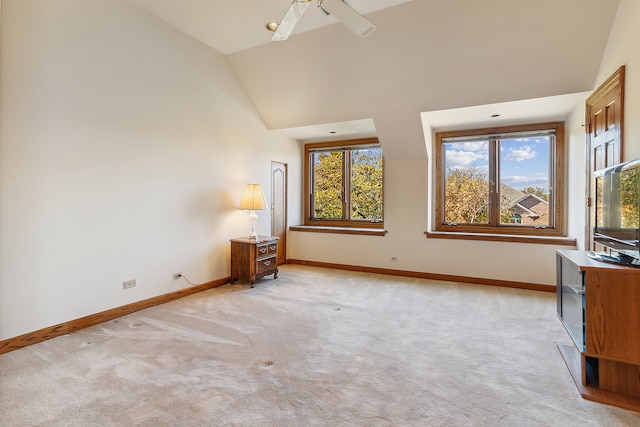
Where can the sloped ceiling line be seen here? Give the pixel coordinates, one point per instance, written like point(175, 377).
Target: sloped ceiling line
point(425, 56)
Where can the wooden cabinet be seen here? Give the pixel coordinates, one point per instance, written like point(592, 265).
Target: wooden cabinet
point(599, 305)
point(252, 259)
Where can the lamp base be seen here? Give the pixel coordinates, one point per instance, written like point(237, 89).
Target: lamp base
point(253, 217)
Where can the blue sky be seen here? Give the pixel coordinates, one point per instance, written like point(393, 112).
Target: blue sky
point(524, 162)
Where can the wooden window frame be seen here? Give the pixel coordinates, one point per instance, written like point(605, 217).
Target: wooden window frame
point(557, 184)
point(308, 182)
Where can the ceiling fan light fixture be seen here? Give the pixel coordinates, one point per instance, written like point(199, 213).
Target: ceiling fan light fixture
point(347, 16)
point(340, 9)
point(290, 19)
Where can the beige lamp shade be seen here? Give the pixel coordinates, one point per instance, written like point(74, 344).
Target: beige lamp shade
point(253, 198)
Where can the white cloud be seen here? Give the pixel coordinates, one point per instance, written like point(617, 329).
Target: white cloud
point(456, 159)
point(473, 146)
point(522, 181)
point(520, 154)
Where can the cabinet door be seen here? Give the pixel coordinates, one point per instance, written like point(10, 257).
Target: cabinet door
point(612, 315)
point(572, 300)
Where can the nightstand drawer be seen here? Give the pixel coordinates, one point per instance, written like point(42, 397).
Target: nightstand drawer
point(266, 264)
point(262, 250)
point(272, 248)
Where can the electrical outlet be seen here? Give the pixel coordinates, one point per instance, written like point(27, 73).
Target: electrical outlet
point(394, 259)
point(128, 284)
point(176, 276)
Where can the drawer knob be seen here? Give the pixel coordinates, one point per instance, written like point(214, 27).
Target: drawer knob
point(273, 248)
point(267, 263)
point(262, 250)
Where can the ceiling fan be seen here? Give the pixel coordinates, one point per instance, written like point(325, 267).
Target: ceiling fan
point(338, 8)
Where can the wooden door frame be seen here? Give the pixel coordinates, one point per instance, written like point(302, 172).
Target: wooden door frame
point(616, 79)
point(283, 242)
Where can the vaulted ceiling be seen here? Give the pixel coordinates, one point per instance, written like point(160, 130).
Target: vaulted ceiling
point(425, 56)
point(230, 26)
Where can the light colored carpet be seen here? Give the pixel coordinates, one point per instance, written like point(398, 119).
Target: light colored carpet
point(317, 347)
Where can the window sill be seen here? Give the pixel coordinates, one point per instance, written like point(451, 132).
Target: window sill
point(540, 240)
point(339, 230)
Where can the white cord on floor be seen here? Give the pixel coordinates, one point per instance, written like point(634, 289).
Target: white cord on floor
point(187, 279)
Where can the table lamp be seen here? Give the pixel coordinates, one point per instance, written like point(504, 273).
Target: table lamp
point(253, 200)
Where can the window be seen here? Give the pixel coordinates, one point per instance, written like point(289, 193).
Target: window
point(343, 184)
point(501, 180)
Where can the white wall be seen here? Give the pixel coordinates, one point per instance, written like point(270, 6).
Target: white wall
point(575, 175)
point(125, 147)
point(426, 56)
point(406, 220)
point(124, 150)
point(400, 72)
point(622, 49)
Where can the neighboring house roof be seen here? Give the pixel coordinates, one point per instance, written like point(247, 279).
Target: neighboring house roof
point(526, 204)
point(529, 200)
point(510, 194)
point(531, 205)
point(525, 210)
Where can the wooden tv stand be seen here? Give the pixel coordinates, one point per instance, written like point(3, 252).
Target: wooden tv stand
point(605, 361)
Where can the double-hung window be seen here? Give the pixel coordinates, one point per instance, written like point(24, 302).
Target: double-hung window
point(501, 180)
point(343, 184)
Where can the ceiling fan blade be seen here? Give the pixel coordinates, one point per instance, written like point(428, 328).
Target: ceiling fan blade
point(290, 19)
point(348, 16)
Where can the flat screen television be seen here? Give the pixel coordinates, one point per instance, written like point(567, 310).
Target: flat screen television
point(617, 213)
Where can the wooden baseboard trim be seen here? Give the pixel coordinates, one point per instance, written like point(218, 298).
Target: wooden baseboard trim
point(432, 276)
point(30, 338)
point(44, 334)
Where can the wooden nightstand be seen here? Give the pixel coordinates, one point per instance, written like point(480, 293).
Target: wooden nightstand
point(252, 259)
